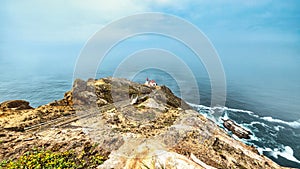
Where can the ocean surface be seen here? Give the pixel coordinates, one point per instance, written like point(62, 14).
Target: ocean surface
point(273, 119)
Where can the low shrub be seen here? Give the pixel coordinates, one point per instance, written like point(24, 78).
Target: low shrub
point(44, 159)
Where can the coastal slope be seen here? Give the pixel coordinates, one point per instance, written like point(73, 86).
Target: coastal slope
point(132, 125)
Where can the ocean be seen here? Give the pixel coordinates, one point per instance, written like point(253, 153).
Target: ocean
point(275, 125)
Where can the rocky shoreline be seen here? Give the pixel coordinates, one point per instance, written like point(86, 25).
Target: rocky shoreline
point(157, 130)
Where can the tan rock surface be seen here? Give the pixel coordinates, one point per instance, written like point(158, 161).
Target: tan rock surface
point(160, 130)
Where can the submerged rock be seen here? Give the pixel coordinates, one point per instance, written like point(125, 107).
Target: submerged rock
point(236, 129)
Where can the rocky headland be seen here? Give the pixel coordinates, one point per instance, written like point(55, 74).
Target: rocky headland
point(129, 125)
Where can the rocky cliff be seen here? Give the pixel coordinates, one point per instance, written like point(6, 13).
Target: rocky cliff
point(133, 126)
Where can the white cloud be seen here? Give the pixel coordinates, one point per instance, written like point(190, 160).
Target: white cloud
point(64, 21)
point(76, 20)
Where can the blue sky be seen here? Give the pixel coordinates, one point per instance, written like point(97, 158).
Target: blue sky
point(74, 21)
point(37, 32)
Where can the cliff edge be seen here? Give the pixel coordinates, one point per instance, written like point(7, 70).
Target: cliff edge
point(131, 124)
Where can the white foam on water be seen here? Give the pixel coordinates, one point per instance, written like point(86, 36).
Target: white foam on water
point(287, 153)
point(225, 116)
point(199, 106)
point(293, 124)
point(218, 108)
point(277, 128)
point(253, 137)
point(207, 115)
point(260, 150)
point(235, 110)
point(257, 122)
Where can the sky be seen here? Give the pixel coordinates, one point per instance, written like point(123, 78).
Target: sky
point(46, 31)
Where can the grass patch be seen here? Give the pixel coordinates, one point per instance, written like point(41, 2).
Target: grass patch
point(44, 159)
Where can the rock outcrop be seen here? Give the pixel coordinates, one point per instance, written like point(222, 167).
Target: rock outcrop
point(18, 115)
point(111, 90)
point(158, 130)
point(15, 105)
point(236, 129)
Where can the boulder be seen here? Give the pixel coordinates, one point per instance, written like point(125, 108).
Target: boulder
point(147, 154)
point(151, 103)
point(15, 105)
point(83, 93)
point(236, 129)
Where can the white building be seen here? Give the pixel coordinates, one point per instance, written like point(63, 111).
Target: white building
point(150, 83)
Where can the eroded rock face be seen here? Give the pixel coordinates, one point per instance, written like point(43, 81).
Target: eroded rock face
point(83, 93)
point(112, 90)
point(159, 130)
point(160, 122)
point(18, 115)
point(15, 105)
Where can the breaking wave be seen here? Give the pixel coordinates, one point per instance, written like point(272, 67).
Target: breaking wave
point(293, 124)
point(286, 152)
point(264, 129)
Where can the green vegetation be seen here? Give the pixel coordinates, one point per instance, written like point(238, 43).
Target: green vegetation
point(41, 159)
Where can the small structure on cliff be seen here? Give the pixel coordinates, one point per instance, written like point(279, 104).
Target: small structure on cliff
point(150, 83)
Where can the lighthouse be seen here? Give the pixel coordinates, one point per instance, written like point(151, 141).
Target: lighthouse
point(150, 83)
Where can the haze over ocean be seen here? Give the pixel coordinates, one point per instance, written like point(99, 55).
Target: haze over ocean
point(258, 43)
